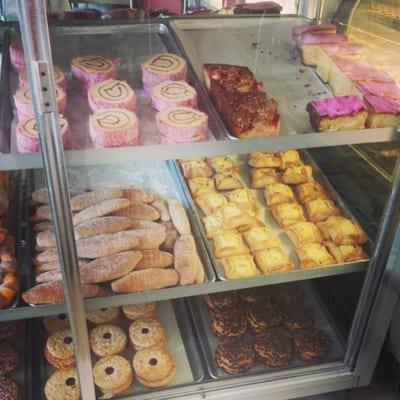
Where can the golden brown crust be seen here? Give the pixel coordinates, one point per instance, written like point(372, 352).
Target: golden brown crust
point(314, 255)
point(195, 168)
point(273, 260)
point(241, 266)
point(297, 174)
point(201, 186)
point(262, 177)
point(303, 233)
point(320, 210)
point(287, 214)
point(277, 193)
point(261, 238)
point(228, 245)
point(228, 180)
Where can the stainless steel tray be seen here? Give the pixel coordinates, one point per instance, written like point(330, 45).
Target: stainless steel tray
point(209, 341)
point(180, 341)
point(265, 215)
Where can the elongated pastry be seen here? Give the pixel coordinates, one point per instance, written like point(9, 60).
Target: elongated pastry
point(261, 238)
point(264, 160)
point(146, 279)
point(222, 164)
point(154, 258)
point(49, 276)
point(201, 186)
point(228, 180)
point(287, 214)
point(169, 242)
point(278, 193)
point(262, 177)
point(184, 259)
point(309, 191)
point(195, 168)
point(161, 207)
point(239, 267)
point(136, 210)
point(136, 194)
point(346, 253)
point(314, 255)
point(43, 213)
point(145, 224)
point(320, 209)
point(179, 217)
point(108, 268)
point(209, 203)
point(97, 226)
point(172, 94)
point(303, 233)
point(228, 245)
point(98, 195)
point(54, 266)
point(243, 198)
point(296, 175)
point(273, 260)
point(148, 238)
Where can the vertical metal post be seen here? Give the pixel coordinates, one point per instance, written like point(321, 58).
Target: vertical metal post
point(36, 41)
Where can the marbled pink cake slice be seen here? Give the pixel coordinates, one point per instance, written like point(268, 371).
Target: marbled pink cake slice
point(322, 28)
point(361, 71)
point(173, 94)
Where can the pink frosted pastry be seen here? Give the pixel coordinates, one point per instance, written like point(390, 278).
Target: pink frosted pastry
point(17, 57)
point(173, 94)
point(114, 127)
point(28, 135)
point(163, 67)
point(337, 113)
point(181, 125)
point(90, 69)
point(24, 105)
point(297, 31)
point(59, 77)
point(111, 94)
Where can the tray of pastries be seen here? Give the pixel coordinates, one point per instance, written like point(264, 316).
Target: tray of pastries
point(264, 329)
point(269, 213)
point(135, 349)
point(132, 234)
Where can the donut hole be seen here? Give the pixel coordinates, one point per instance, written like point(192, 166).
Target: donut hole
point(109, 370)
point(107, 335)
point(153, 362)
point(68, 340)
point(145, 330)
point(70, 382)
point(62, 317)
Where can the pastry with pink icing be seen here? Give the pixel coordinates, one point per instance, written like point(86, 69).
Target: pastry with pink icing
point(17, 57)
point(24, 105)
point(111, 94)
point(59, 77)
point(163, 67)
point(172, 94)
point(337, 113)
point(114, 127)
point(181, 125)
point(28, 135)
point(90, 69)
point(297, 31)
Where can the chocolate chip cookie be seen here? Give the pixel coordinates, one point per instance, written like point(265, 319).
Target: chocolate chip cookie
point(235, 356)
point(312, 344)
point(229, 324)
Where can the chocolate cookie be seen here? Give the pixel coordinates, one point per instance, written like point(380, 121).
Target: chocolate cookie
point(298, 316)
point(8, 389)
point(273, 348)
point(265, 316)
point(255, 295)
point(288, 293)
point(235, 356)
point(8, 358)
point(229, 324)
point(312, 344)
point(217, 301)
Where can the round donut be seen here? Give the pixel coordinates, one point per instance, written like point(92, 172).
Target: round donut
point(54, 323)
point(8, 389)
point(103, 316)
point(63, 384)
point(140, 311)
point(59, 349)
point(8, 358)
point(146, 333)
point(107, 340)
point(9, 329)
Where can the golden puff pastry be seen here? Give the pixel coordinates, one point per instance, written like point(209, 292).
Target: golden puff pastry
point(213, 225)
point(210, 202)
point(261, 238)
point(273, 260)
point(342, 231)
point(196, 168)
point(255, 223)
point(309, 191)
point(201, 186)
point(264, 160)
point(244, 199)
point(228, 180)
point(222, 164)
point(303, 233)
point(346, 253)
point(314, 255)
point(289, 158)
point(278, 193)
point(319, 210)
point(233, 216)
point(287, 214)
point(238, 267)
point(297, 174)
point(262, 177)
point(229, 244)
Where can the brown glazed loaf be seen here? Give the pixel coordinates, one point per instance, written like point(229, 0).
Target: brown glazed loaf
point(108, 268)
point(154, 258)
point(97, 196)
point(138, 210)
point(179, 217)
point(136, 194)
point(148, 238)
point(185, 259)
point(145, 279)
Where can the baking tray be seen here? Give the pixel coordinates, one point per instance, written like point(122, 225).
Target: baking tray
point(155, 176)
point(264, 45)
point(180, 338)
point(209, 341)
point(265, 215)
point(130, 44)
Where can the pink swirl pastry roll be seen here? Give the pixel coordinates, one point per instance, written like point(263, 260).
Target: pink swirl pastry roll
point(114, 127)
point(181, 125)
point(173, 94)
point(111, 94)
point(17, 56)
point(28, 135)
point(90, 69)
point(163, 67)
point(59, 77)
point(24, 105)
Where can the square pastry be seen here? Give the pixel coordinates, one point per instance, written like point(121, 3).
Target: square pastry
point(341, 231)
point(278, 193)
point(201, 186)
point(287, 214)
point(255, 223)
point(261, 238)
point(320, 209)
point(273, 260)
point(233, 216)
point(243, 198)
point(238, 267)
point(210, 202)
point(303, 233)
point(222, 164)
point(264, 160)
point(262, 177)
point(346, 253)
point(195, 168)
point(213, 225)
point(297, 174)
point(228, 180)
point(289, 158)
point(314, 255)
point(309, 191)
point(229, 244)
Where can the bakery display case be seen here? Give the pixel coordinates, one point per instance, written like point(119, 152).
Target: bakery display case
point(203, 206)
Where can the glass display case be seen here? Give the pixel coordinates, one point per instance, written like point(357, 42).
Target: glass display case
point(186, 224)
